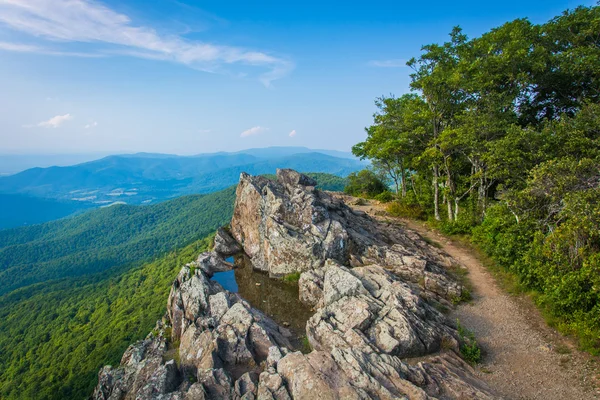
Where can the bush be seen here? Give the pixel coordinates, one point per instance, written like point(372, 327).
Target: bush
point(469, 349)
point(385, 197)
point(405, 210)
point(365, 183)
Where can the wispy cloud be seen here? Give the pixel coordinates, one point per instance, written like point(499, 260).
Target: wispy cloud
point(293, 133)
point(28, 48)
point(55, 122)
point(204, 131)
point(253, 131)
point(397, 63)
point(91, 125)
point(87, 21)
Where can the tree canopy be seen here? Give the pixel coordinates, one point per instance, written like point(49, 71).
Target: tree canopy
point(501, 137)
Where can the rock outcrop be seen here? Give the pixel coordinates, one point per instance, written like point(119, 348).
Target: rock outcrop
point(287, 226)
point(373, 287)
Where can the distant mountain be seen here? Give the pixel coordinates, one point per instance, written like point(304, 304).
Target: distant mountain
point(278, 152)
point(149, 178)
point(14, 163)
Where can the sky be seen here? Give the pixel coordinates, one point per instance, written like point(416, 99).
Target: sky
point(189, 77)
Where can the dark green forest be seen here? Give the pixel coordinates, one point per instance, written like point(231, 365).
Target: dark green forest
point(54, 339)
point(101, 239)
point(500, 139)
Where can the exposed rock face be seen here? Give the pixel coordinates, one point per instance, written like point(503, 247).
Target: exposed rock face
point(225, 244)
point(287, 226)
point(368, 284)
point(369, 308)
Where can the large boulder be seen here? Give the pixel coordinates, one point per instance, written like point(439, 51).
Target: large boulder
point(286, 226)
point(217, 337)
point(282, 226)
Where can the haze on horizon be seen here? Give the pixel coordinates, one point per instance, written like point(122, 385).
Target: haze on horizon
point(189, 77)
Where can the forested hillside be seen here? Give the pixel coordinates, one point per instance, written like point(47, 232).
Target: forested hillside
point(501, 138)
point(54, 339)
point(104, 238)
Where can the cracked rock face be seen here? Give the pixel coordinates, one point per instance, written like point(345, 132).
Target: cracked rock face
point(286, 226)
point(373, 288)
point(372, 309)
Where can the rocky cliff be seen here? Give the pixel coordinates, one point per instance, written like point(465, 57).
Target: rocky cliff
point(375, 290)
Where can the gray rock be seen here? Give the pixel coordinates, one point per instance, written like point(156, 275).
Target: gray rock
point(371, 309)
point(287, 226)
point(213, 262)
point(225, 244)
point(310, 286)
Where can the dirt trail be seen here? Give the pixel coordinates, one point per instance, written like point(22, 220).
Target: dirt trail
point(523, 358)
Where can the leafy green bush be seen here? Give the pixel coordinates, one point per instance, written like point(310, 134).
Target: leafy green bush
point(365, 183)
point(385, 197)
point(405, 210)
point(469, 349)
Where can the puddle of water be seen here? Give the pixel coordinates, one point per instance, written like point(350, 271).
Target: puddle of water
point(277, 299)
point(227, 279)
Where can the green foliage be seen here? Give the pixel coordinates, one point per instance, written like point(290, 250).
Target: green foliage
point(77, 292)
point(365, 183)
point(294, 277)
point(106, 238)
point(406, 210)
point(554, 248)
point(501, 140)
point(469, 349)
point(384, 197)
point(54, 338)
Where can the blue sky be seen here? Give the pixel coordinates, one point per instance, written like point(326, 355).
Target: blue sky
point(187, 77)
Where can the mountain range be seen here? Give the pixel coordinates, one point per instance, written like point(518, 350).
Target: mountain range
point(146, 178)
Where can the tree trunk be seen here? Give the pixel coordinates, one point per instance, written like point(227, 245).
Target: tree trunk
point(456, 200)
point(436, 193)
point(450, 213)
point(403, 182)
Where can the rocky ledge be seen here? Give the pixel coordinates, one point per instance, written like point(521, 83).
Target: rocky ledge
point(375, 288)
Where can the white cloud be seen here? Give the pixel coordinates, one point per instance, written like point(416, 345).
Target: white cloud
point(204, 131)
point(398, 63)
point(92, 125)
point(87, 21)
point(293, 133)
point(54, 122)
point(253, 131)
point(27, 48)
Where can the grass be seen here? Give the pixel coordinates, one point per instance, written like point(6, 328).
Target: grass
point(432, 242)
point(306, 347)
point(562, 349)
point(294, 277)
point(469, 349)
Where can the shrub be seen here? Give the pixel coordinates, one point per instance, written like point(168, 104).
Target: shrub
point(469, 349)
point(365, 183)
point(401, 209)
point(385, 197)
